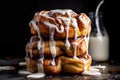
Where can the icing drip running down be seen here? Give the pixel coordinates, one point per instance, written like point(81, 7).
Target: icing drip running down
point(74, 48)
point(87, 42)
point(67, 44)
point(52, 45)
point(33, 39)
point(58, 21)
point(53, 27)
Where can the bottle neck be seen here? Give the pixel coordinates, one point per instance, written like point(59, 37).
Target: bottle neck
point(97, 24)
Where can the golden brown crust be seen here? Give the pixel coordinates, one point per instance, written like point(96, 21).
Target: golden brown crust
point(61, 42)
point(52, 69)
point(75, 66)
point(31, 65)
point(34, 53)
point(80, 48)
point(62, 64)
point(83, 24)
point(60, 49)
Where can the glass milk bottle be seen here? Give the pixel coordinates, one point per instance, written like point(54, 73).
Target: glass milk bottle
point(99, 39)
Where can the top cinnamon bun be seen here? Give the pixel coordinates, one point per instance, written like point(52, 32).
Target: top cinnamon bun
point(60, 24)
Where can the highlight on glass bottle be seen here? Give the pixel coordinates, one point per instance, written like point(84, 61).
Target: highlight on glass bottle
point(99, 38)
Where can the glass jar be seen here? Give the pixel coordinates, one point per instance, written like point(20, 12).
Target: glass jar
point(99, 38)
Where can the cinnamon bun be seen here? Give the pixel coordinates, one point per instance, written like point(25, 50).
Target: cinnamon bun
point(59, 42)
point(62, 23)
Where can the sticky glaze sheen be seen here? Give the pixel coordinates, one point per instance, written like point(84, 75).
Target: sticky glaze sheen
point(52, 28)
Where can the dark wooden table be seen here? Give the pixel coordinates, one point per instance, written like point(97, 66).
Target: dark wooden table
point(111, 72)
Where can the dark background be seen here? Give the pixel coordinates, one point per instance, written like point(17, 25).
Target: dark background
point(16, 15)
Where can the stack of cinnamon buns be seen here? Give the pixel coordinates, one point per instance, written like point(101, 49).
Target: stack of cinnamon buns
point(59, 42)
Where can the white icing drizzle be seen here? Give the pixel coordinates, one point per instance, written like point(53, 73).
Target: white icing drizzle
point(94, 71)
point(36, 28)
point(33, 39)
point(75, 33)
point(74, 44)
point(85, 60)
point(99, 67)
point(67, 44)
point(85, 65)
point(35, 75)
point(22, 71)
point(75, 25)
point(87, 42)
point(52, 27)
point(84, 20)
point(38, 14)
point(30, 45)
point(40, 65)
point(53, 51)
point(52, 45)
point(91, 73)
point(41, 51)
point(66, 22)
point(92, 68)
point(22, 63)
point(40, 60)
point(59, 11)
